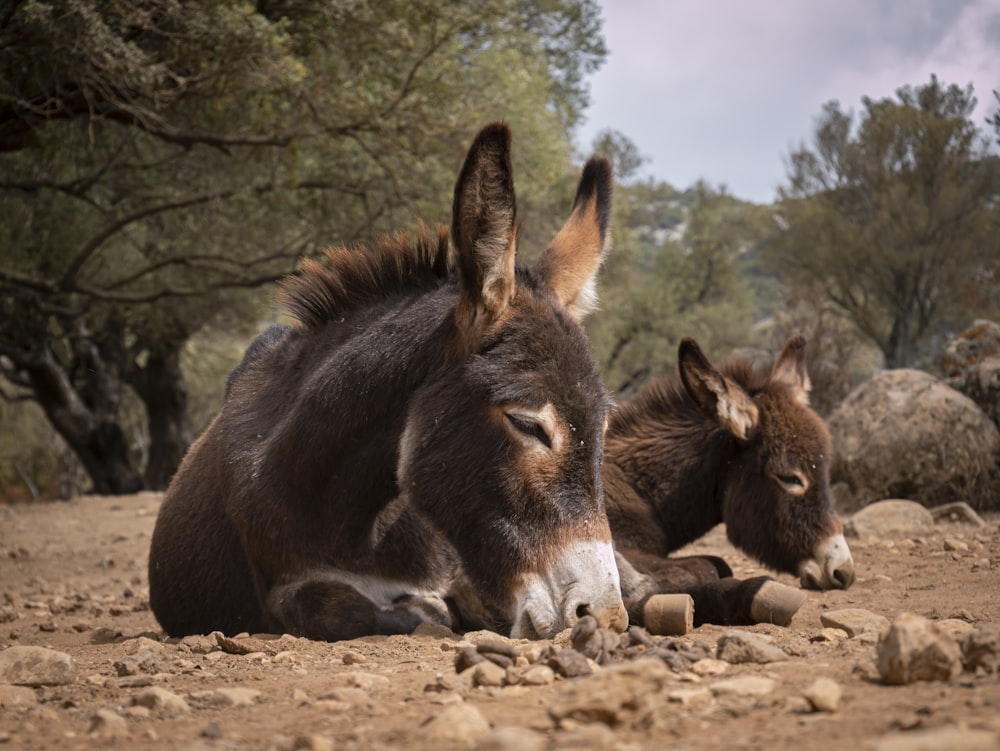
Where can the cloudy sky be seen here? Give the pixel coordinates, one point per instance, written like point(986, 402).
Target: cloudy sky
point(723, 90)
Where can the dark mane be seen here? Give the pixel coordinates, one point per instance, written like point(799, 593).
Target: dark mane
point(347, 278)
point(667, 395)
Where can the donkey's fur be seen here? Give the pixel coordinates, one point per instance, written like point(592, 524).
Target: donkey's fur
point(723, 445)
point(424, 443)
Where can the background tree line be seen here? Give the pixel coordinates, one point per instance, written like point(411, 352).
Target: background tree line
point(160, 166)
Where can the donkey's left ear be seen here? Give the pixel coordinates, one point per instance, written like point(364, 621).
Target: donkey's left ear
point(790, 369)
point(569, 266)
point(719, 397)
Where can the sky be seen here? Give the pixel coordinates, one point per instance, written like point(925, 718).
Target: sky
point(725, 90)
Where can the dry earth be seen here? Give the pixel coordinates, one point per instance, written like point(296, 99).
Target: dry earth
point(73, 579)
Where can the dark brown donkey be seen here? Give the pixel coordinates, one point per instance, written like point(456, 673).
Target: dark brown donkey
point(723, 445)
point(423, 443)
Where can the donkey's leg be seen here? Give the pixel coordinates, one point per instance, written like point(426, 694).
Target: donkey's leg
point(329, 610)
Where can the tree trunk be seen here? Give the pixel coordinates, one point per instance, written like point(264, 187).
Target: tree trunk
point(95, 438)
point(160, 385)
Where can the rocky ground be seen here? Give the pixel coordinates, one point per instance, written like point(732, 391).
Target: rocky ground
point(100, 674)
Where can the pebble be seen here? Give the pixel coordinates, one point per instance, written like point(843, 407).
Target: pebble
point(462, 723)
point(823, 695)
point(916, 649)
point(354, 658)
point(157, 698)
point(621, 692)
point(538, 675)
point(736, 647)
point(981, 649)
point(950, 738)
point(953, 544)
point(36, 666)
point(488, 673)
point(107, 724)
point(854, 621)
point(236, 696)
point(744, 685)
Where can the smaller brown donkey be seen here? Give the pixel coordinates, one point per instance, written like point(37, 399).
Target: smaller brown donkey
point(723, 445)
point(424, 443)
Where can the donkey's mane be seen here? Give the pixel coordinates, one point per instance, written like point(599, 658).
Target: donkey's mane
point(348, 278)
point(667, 395)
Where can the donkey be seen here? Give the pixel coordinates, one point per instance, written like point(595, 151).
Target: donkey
point(423, 444)
point(723, 445)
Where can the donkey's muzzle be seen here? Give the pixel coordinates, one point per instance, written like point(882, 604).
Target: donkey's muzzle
point(831, 567)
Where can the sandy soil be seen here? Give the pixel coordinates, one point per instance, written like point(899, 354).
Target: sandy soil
point(73, 578)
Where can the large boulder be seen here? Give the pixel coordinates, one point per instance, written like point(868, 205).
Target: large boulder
point(971, 363)
point(904, 434)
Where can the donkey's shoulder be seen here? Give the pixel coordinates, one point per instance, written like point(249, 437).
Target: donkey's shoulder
point(345, 279)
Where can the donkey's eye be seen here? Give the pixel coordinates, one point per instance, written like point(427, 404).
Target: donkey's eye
point(530, 428)
point(795, 484)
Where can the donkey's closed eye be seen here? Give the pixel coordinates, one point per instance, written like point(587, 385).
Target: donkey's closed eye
point(795, 484)
point(530, 428)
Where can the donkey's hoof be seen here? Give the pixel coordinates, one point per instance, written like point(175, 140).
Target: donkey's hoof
point(776, 603)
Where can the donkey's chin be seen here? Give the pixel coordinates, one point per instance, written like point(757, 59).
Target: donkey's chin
point(582, 580)
point(831, 567)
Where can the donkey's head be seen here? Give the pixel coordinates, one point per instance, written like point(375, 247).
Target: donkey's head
point(503, 452)
point(777, 505)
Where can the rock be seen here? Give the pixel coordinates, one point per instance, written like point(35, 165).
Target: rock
point(950, 738)
point(737, 647)
point(622, 692)
point(915, 649)
point(854, 621)
point(891, 518)
point(160, 699)
point(823, 695)
point(237, 696)
point(904, 434)
point(457, 722)
point(709, 666)
point(149, 661)
point(971, 364)
point(538, 675)
point(36, 666)
point(354, 658)
point(957, 512)
point(687, 697)
point(744, 685)
point(570, 664)
point(488, 673)
point(510, 738)
point(107, 724)
point(17, 696)
point(981, 648)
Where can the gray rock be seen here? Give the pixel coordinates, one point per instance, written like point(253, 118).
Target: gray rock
point(854, 621)
point(823, 695)
point(458, 722)
point(957, 512)
point(621, 693)
point(737, 647)
point(36, 666)
point(891, 518)
point(950, 738)
point(916, 649)
point(981, 648)
point(17, 696)
point(904, 434)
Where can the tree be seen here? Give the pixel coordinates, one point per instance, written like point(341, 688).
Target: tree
point(890, 217)
point(160, 162)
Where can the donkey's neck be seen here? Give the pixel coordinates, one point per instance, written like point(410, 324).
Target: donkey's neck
point(672, 455)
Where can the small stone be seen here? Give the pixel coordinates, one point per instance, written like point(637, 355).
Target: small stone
point(570, 664)
point(467, 657)
point(488, 673)
point(461, 723)
point(107, 724)
point(17, 696)
point(211, 730)
point(36, 666)
point(744, 685)
point(354, 658)
point(830, 635)
point(237, 696)
point(738, 647)
point(854, 621)
point(915, 649)
point(981, 649)
point(823, 694)
point(538, 675)
point(621, 692)
point(953, 544)
point(157, 698)
point(709, 666)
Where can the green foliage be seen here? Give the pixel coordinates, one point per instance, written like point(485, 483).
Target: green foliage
point(891, 218)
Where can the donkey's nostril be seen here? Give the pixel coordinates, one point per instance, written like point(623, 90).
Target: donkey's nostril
point(843, 577)
point(582, 610)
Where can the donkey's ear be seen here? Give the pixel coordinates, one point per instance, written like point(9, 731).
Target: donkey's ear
point(719, 397)
point(569, 266)
point(482, 224)
point(790, 369)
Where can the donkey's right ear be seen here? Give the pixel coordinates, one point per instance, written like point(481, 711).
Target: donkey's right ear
point(482, 225)
point(719, 397)
point(569, 266)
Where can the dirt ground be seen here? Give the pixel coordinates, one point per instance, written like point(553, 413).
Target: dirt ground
point(73, 579)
